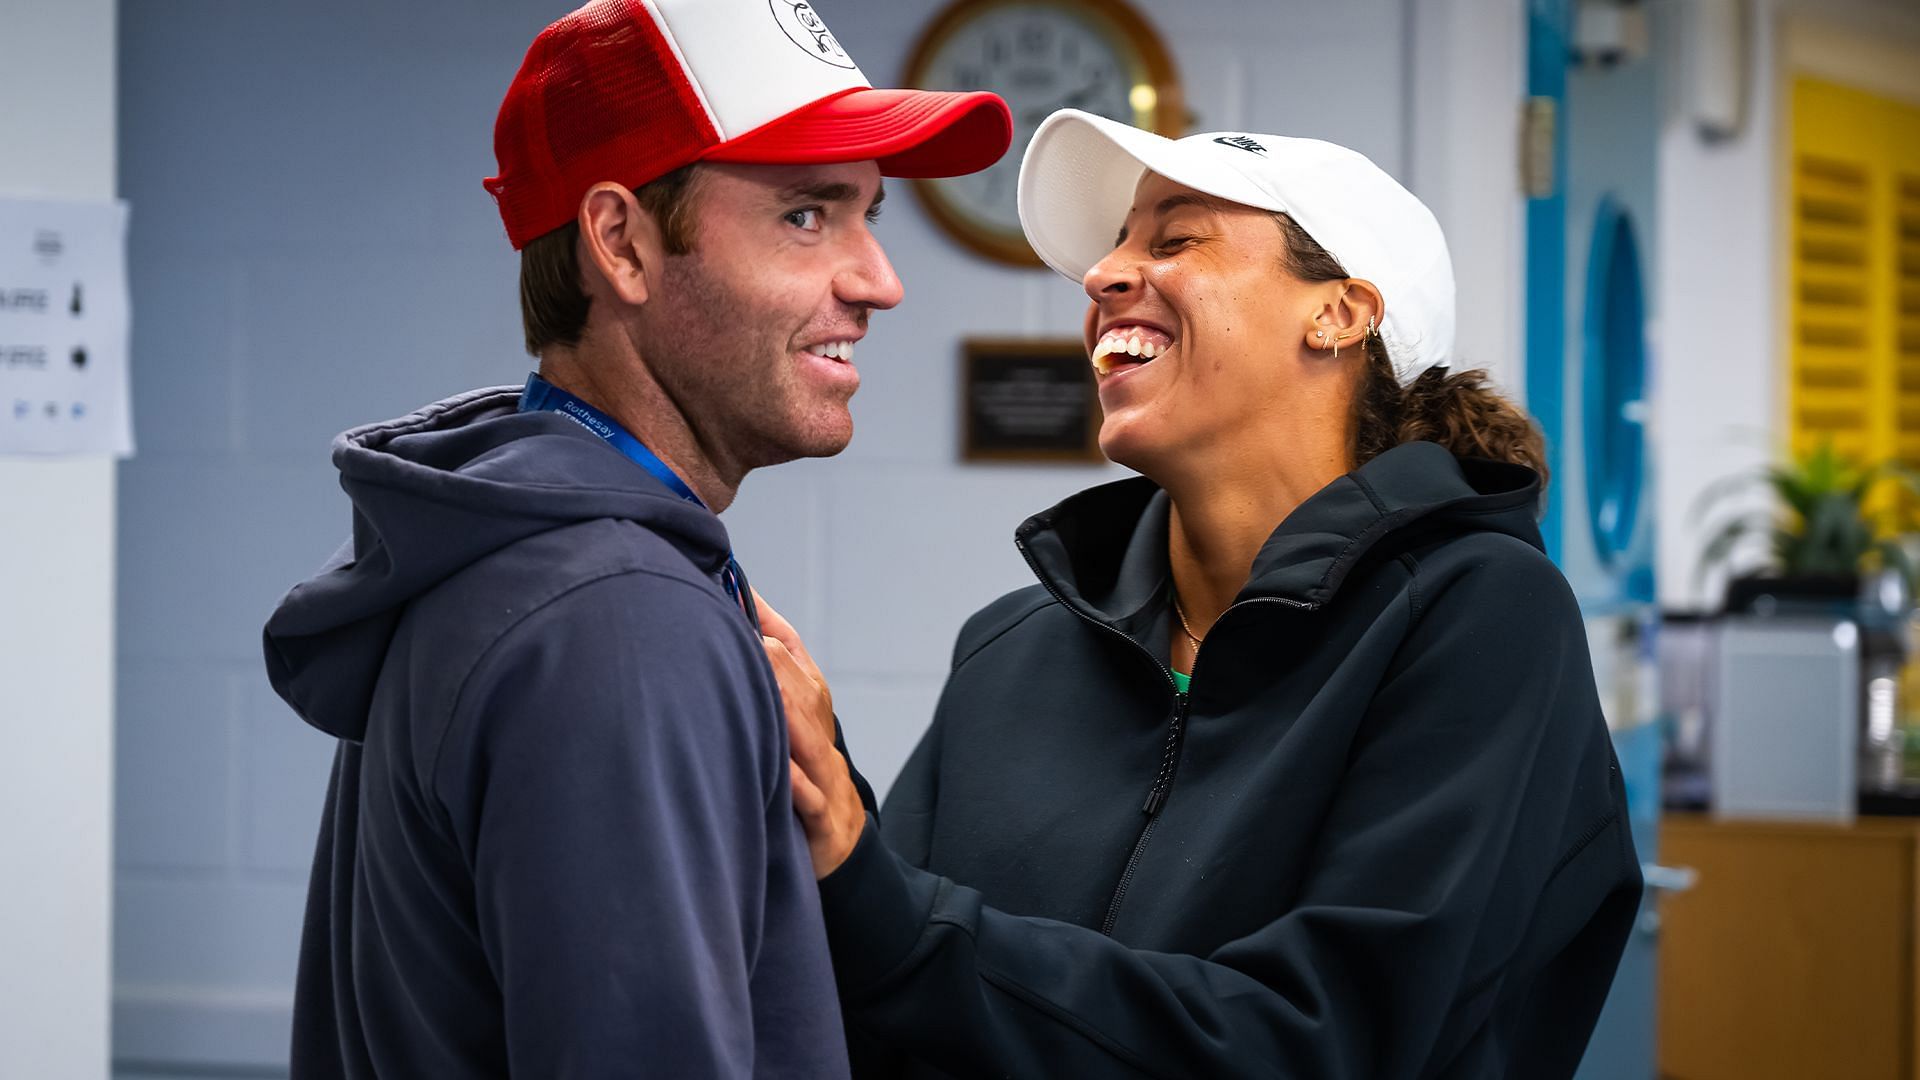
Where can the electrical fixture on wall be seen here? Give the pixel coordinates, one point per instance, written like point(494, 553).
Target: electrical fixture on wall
point(1041, 55)
point(1608, 33)
point(1714, 77)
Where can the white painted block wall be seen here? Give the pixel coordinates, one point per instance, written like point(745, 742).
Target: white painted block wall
point(312, 249)
point(56, 602)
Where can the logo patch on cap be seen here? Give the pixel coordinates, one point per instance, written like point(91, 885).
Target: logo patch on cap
point(1242, 142)
point(806, 29)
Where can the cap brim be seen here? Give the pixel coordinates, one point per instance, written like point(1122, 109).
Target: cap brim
point(1078, 177)
point(911, 133)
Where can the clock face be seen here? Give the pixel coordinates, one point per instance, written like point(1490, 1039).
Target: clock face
point(1040, 57)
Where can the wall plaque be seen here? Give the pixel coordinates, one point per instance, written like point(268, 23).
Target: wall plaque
point(1031, 400)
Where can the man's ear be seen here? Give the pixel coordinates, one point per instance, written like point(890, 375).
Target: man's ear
point(620, 244)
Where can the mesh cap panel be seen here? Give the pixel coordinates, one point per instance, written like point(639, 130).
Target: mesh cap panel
point(600, 97)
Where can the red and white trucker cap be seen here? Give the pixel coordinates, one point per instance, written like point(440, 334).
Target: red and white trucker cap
point(1077, 181)
point(629, 90)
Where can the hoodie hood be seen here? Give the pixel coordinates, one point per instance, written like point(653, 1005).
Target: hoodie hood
point(1105, 549)
point(433, 492)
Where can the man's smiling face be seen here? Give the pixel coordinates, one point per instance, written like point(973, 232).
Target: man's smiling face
point(752, 332)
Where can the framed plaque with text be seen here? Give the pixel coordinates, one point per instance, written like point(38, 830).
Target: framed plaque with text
point(1028, 400)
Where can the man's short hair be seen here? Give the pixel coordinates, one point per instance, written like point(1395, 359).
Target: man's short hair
point(553, 305)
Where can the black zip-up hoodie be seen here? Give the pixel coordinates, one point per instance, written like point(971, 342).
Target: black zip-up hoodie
point(559, 840)
point(1384, 835)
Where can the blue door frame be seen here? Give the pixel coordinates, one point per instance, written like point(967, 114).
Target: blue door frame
point(1549, 41)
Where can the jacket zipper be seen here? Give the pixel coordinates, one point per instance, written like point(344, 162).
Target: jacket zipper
point(1166, 771)
point(1176, 728)
point(1169, 757)
point(1156, 797)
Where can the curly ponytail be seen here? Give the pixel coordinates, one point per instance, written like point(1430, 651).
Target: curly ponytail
point(1460, 411)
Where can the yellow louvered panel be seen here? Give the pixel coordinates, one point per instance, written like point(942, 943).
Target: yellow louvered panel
point(1906, 234)
point(1832, 376)
point(1854, 280)
point(1819, 291)
point(1823, 247)
point(1903, 299)
point(1831, 388)
point(1833, 212)
point(1831, 400)
point(1840, 332)
point(1853, 444)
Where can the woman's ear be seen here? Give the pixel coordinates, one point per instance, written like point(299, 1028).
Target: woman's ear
point(1319, 332)
point(1361, 309)
point(620, 244)
point(1350, 315)
point(1342, 319)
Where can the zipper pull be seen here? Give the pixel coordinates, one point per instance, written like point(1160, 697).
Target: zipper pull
point(1163, 780)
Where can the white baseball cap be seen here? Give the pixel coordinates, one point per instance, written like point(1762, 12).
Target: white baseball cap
point(1079, 173)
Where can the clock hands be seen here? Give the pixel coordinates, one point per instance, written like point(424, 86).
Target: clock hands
point(1079, 99)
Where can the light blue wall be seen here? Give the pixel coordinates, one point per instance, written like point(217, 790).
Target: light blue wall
point(311, 249)
point(1613, 119)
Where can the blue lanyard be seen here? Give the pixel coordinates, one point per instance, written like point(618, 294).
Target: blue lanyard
point(542, 396)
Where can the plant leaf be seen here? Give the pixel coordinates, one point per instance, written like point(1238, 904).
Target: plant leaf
point(1724, 540)
point(1725, 488)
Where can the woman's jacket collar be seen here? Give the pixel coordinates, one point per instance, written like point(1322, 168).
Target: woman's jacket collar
point(1104, 550)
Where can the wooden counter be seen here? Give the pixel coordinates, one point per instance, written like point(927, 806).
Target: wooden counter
point(1797, 955)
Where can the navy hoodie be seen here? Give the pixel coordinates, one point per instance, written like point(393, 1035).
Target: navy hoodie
point(559, 839)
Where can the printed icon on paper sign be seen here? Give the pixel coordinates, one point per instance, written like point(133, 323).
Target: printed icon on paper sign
point(47, 244)
point(79, 356)
point(53, 410)
point(21, 407)
point(79, 410)
point(75, 306)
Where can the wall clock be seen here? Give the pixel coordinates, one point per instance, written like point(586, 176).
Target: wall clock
point(1040, 55)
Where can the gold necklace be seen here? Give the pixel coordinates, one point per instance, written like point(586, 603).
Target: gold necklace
point(1185, 627)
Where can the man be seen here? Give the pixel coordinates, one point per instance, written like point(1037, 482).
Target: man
point(559, 839)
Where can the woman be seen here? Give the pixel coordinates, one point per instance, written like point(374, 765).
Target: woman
point(1292, 764)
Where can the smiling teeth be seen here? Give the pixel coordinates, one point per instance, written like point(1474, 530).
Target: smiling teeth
point(1117, 342)
point(833, 350)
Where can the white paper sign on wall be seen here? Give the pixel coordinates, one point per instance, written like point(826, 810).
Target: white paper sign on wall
point(64, 328)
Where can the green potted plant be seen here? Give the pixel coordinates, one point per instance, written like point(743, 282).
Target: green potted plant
point(1823, 534)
